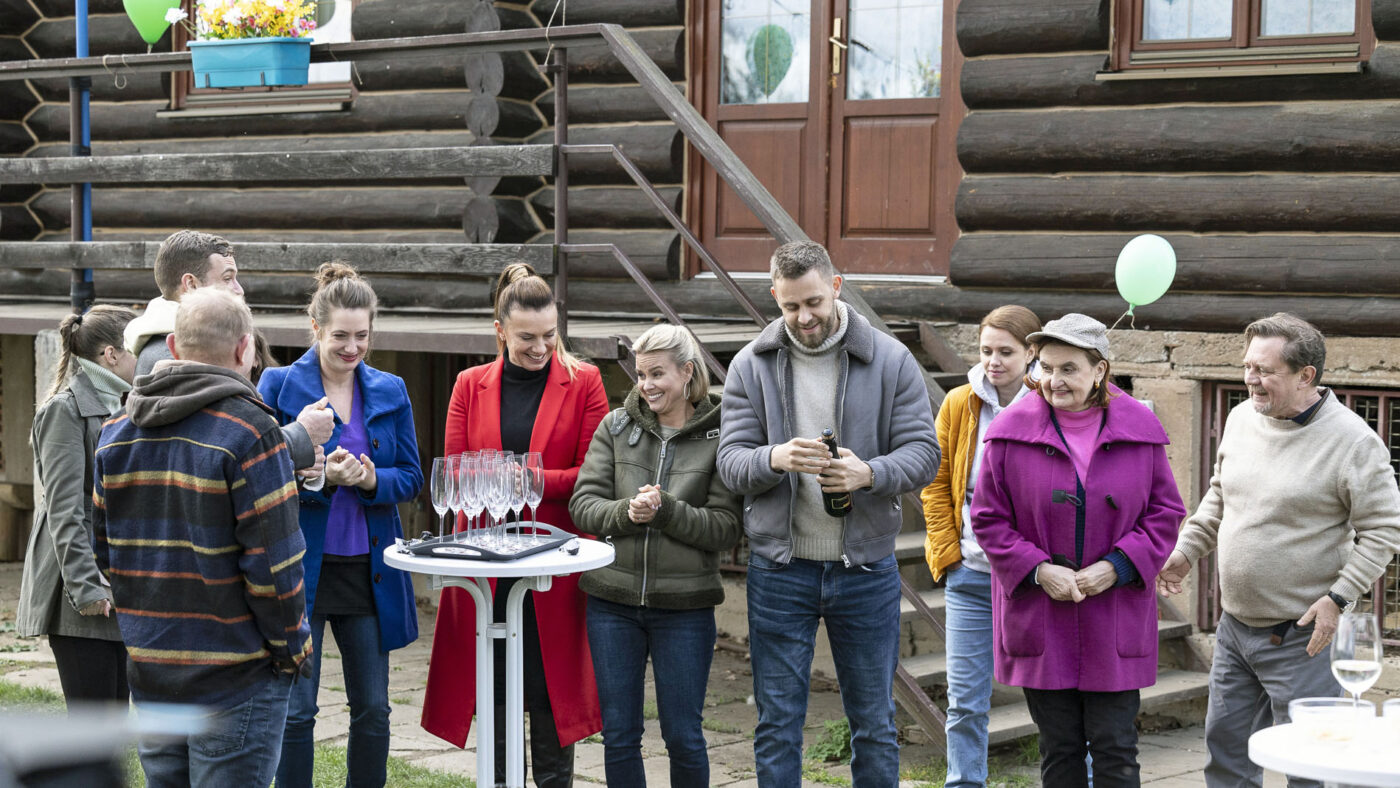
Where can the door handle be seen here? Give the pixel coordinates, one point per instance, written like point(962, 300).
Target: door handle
point(836, 46)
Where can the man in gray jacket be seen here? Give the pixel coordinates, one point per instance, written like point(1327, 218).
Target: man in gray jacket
point(822, 366)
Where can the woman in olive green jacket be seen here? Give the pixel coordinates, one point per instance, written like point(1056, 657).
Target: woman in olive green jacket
point(649, 485)
point(62, 594)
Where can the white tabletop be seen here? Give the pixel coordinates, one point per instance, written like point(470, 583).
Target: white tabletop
point(1371, 756)
point(550, 563)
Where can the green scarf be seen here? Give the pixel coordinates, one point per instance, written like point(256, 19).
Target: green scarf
point(109, 386)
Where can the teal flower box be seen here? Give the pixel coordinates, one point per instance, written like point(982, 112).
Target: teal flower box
point(250, 62)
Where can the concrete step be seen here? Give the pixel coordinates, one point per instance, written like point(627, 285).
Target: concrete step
point(1013, 721)
point(909, 547)
point(932, 597)
point(931, 668)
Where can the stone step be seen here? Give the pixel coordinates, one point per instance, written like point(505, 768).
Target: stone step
point(931, 668)
point(909, 547)
point(1013, 721)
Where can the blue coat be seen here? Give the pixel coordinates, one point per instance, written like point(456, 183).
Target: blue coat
point(388, 419)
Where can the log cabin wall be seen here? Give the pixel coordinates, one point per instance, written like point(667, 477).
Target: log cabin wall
point(1277, 192)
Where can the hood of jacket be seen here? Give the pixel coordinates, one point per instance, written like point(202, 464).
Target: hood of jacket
point(987, 393)
point(705, 417)
point(177, 389)
point(1128, 421)
point(157, 320)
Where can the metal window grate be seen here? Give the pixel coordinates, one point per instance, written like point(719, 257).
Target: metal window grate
point(1381, 410)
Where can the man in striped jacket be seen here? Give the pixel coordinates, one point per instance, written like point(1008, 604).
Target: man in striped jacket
point(195, 524)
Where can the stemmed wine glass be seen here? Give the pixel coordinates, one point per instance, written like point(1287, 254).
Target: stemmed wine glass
point(454, 500)
point(467, 477)
point(534, 490)
point(1356, 653)
point(442, 490)
point(518, 484)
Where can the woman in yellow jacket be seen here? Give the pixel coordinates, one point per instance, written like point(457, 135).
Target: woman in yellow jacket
point(951, 549)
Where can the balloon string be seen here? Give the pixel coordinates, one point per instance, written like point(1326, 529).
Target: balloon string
point(1132, 319)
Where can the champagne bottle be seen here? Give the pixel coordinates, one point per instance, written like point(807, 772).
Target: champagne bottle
point(836, 504)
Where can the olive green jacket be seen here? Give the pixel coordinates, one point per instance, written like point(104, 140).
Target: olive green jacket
point(60, 571)
point(672, 562)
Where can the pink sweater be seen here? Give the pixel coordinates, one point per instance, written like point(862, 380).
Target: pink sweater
point(1082, 431)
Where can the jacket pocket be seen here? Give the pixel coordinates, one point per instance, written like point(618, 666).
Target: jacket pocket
point(1135, 620)
point(1023, 625)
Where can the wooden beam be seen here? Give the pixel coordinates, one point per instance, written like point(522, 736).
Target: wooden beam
point(939, 351)
point(999, 27)
point(286, 166)
point(1300, 136)
point(460, 259)
point(1248, 263)
point(17, 386)
point(1198, 203)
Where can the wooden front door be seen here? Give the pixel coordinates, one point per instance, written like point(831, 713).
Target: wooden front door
point(847, 111)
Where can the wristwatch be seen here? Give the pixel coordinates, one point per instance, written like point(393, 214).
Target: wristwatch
point(1337, 599)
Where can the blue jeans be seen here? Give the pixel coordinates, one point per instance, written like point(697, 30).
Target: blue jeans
point(860, 606)
point(366, 678)
point(968, 595)
point(681, 644)
point(238, 748)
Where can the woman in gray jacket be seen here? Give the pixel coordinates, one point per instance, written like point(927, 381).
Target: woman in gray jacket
point(649, 485)
point(62, 594)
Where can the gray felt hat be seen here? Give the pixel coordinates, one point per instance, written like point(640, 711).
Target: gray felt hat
point(1075, 329)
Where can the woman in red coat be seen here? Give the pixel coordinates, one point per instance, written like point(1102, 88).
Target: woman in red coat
point(534, 397)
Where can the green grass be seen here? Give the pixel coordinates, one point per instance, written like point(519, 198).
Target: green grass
point(1006, 769)
point(812, 772)
point(649, 711)
point(720, 726)
point(834, 745)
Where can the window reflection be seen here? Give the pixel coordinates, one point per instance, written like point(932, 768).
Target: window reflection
point(1308, 17)
point(765, 50)
point(1178, 20)
point(895, 49)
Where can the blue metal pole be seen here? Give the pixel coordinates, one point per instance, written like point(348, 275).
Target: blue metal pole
point(82, 291)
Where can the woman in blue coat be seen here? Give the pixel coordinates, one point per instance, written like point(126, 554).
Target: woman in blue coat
point(372, 465)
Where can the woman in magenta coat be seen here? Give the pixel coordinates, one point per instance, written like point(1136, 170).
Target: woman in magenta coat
point(1077, 511)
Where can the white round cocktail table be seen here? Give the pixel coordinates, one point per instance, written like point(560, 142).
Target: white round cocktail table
point(1371, 756)
point(537, 573)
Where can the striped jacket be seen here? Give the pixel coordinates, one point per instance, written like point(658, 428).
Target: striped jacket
point(195, 523)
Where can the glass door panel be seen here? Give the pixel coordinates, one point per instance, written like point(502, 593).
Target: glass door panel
point(765, 51)
point(895, 49)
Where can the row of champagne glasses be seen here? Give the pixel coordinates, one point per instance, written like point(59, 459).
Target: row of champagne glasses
point(491, 482)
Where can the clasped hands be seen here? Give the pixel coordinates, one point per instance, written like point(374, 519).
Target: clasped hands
point(1066, 585)
point(846, 473)
point(347, 470)
point(642, 508)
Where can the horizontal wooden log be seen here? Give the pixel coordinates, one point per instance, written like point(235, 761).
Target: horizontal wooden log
point(14, 192)
point(14, 139)
point(523, 78)
point(1385, 19)
point(453, 138)
point(374, 19)
point(1302, 136)
point(57, 8)
point(16, 16)
point(283, 166)
point(371, 112)
point(138, 86)
point(657, 148)
point(514, 222)
point(16, 100)
point(1068, 80)
point(17, 224)
point(278, 236)
point(999, 27)
point(608, 206)
point(665, 46)
point(451, 259)
point(423, 208)
point(108, 34)
point(628, 13)
point(655, 252)
point(1200, 203)
point(608, 104)
point(1284, 264)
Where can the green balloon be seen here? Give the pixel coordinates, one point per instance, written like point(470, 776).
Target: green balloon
point(149, 17)
point(770, 57)
point(1145, 270)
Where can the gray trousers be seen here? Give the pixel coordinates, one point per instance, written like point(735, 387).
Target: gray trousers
point(1251, 683)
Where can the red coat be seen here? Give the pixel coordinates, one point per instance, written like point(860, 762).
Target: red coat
point(569, 413)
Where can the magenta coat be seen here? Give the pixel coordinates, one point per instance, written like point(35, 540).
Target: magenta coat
point(1108, 642)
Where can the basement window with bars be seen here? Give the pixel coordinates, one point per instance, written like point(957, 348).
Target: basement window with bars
point(329, 87)
point(1379, 408)
point(1221, 38)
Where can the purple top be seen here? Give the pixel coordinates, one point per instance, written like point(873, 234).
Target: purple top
point(1082, 432)
point(346, 530)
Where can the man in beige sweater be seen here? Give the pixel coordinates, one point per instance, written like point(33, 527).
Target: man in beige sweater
point(1304, 510)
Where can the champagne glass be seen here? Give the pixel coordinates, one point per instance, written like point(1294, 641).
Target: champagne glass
point(471, 493)
point(1356, 653)
point(518, 484)
point(534, 490)
point(499, 499)
point(442, 487)
point(456, 503)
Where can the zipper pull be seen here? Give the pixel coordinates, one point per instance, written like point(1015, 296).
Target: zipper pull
point(845, 560)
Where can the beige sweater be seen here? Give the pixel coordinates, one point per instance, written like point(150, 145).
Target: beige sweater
point(1296, 511)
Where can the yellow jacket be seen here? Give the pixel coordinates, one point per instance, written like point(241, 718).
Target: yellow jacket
point(943, 498)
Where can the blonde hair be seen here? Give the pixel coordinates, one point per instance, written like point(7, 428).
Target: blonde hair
point(210, 322)
point(519, 287)
point(86, 336)
point(680, 346)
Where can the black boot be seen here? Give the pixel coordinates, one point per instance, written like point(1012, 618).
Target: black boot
point(552, 765)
